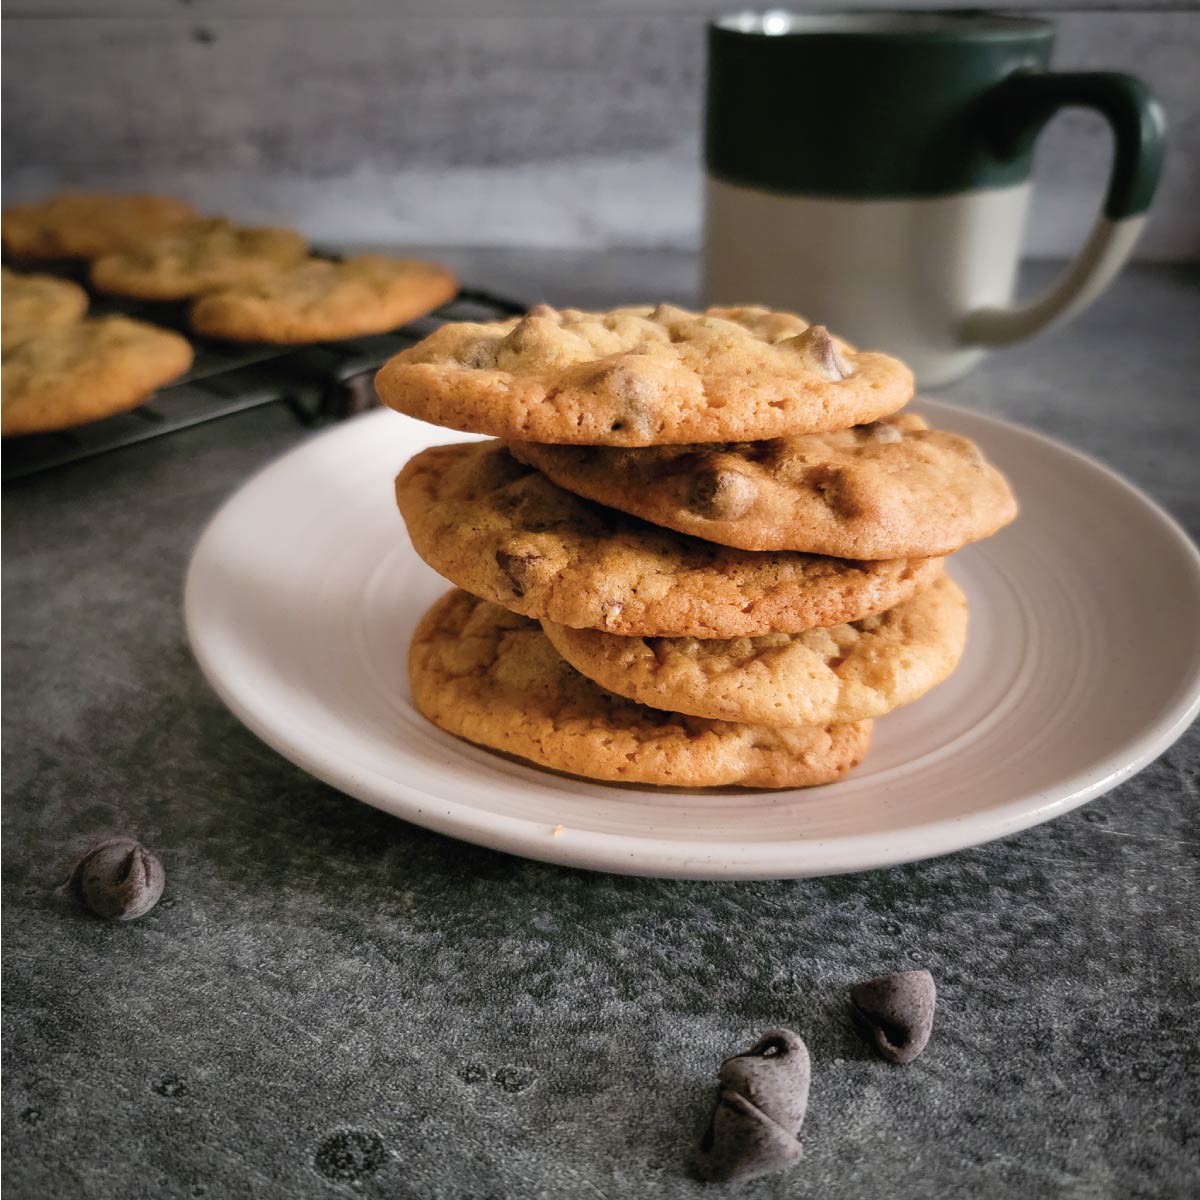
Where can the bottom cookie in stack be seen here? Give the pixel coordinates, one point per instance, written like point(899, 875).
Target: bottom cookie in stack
point(492, 676)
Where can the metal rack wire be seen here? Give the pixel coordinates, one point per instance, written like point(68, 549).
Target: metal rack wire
point(318, 383)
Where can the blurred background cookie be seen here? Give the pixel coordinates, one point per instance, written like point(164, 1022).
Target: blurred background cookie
point(87, 224)
point(320, 300)
point(195, 258)
point(35, 304)
point(85, 371)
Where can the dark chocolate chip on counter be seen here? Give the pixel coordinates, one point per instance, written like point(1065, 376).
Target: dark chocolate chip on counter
point(895, 1013)
point(118, 879)
point(760, 1107)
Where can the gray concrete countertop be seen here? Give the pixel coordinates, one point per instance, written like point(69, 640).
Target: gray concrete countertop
point(329, 1002)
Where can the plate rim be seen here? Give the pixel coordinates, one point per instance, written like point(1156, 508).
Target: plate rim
point(634, 854)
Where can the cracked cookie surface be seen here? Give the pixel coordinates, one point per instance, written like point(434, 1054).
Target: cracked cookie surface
point(86, 225)
point(492, 677)
point(88, 370)
point(319, 300)
point(506, 533)
point(892, 489)
point(36, 304)
point(196, 258)
point(642, 377)
point(848, 672)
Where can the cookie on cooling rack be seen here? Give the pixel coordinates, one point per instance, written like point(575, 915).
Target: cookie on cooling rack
point(86, 371)
point(87, 224)
point(35, 304)
point(195, 258)
point(318, 300)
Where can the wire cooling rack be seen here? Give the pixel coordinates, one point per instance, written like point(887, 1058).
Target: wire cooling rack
point(318, 383)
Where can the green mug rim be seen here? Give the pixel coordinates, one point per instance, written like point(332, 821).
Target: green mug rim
point(907, 24)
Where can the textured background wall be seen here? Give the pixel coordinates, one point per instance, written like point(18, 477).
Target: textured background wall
point(511, 122)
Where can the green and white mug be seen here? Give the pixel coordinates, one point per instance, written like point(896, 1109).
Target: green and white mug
point(872, 171)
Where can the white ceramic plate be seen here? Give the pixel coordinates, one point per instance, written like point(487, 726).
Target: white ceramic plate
point(1082, 665)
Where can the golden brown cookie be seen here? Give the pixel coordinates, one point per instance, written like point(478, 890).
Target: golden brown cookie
point(86, 371)
point(892, 489)
point(843, 673)
point(505, 532)
point(490, 676)
point(34, 304)
point(321, 301)
point(642, 377)
point(196, 258)
point(85, 225)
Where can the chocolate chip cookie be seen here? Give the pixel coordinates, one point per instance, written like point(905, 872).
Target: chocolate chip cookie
point(320, 300)
point(506, 533)
point(196, 258)
point(642, 377)
point(891, 489)
point(492, 677)
point(85, 371)
point(87, 224)
point(842, 673)
point(36, 304)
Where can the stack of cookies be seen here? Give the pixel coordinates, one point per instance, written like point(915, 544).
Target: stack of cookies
point(706, 550)
point(241, 283)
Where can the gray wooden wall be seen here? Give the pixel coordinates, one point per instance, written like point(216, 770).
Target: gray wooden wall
point(511, 122)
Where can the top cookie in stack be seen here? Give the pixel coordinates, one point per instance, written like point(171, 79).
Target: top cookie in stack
point(720, 519)
point(642, 377)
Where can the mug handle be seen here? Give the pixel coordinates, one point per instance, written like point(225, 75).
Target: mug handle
point(1015, 112)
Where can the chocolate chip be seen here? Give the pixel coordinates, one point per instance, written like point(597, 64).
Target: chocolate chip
point(118, 879)
point(895, 1013)
point(836, 487)
point(478, 355)
point(760, 1107)
point(631, 394)
point(721, 495)
point(530, 331)
point(626, 384)
point(515, 568)
point(816, 344)
point(172, 1087)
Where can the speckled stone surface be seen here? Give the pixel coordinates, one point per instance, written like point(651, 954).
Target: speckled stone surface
point(329, 1002)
